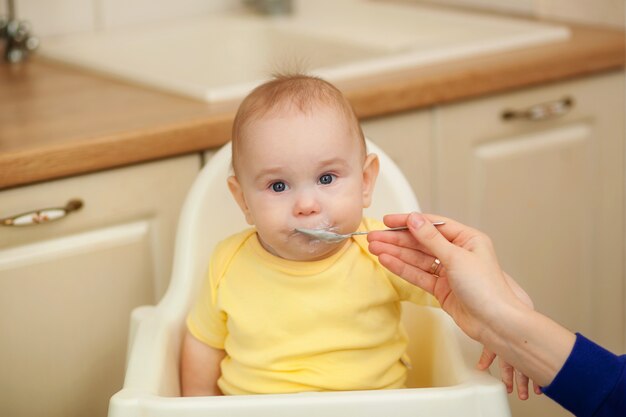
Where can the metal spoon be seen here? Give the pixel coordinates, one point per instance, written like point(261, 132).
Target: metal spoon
point(325, 235)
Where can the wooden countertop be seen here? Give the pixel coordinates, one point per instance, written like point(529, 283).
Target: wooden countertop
point(56, 121)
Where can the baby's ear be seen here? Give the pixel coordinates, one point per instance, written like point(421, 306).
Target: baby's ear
point(235, 189)
point(370, 173)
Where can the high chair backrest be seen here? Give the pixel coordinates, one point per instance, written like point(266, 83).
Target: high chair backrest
point(210, 214)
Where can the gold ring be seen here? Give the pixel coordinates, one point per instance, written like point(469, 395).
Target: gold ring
point(434, 268)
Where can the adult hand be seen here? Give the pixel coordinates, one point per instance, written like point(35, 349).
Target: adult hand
point(470, 285)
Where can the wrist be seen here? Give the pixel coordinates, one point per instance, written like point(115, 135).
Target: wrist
point(503, 321)
point(529, 341)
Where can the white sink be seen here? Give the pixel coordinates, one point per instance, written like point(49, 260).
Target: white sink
point(222, 56)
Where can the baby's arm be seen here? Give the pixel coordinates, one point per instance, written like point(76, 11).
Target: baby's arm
point(199, 368)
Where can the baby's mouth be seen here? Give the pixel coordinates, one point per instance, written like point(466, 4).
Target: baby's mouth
point(323, 225)
point(325, 228)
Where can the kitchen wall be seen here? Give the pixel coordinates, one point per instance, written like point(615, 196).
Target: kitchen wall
point(53, 17)
point(507, 6)
point(607, 12)
point(596, 12)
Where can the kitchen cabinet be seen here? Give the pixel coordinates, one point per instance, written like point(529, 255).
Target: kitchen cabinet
point(550, 192)
point(67, 287)
point(406, 138)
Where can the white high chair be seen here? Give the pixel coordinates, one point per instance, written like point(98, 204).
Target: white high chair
point(443, 381)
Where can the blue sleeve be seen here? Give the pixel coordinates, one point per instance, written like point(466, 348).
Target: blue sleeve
point(592, 381)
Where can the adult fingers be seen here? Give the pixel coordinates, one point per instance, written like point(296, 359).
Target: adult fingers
point(396, 220)
point(451, 230)
point(400, 219)
point(486, 359)
point(506, 374)
point(398, 238)
point(522, 385)
point(414, 257)
point(427, 235)
point(411, 273)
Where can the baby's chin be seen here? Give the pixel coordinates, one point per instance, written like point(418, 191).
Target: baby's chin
point(308, 249)
point(311, 255)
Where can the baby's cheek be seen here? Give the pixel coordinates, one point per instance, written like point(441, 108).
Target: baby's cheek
point(351, 218)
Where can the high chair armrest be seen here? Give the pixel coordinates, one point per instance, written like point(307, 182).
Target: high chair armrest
point(136, 317)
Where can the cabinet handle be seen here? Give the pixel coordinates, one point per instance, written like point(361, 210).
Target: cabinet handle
point(542, 111)
point(46, 215)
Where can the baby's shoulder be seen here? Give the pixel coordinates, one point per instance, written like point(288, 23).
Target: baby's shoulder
point(370, 224)
point(234, 241)
point(367, 225)
point(226, 249)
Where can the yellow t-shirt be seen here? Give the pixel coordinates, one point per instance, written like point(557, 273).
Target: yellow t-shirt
point(290, 326)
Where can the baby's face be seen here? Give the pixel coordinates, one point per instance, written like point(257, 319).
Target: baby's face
point(305, 171)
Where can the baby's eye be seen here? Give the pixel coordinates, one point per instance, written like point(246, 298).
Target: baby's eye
point(327, 179)
point(279, 186)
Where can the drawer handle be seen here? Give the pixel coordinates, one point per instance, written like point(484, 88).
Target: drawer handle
point(46, 215)
point(543, 111)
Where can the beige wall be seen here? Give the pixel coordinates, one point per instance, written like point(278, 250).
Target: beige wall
point(53, 17)
point(595, 12)
point(602, 12)
point(511, 6)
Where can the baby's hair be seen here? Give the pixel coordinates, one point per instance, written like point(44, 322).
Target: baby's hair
point(292, 92)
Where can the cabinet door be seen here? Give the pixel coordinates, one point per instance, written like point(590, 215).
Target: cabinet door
point(67, 287)
point(406, 138)
point(550, 194)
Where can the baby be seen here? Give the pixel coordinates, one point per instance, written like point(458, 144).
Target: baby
point(281, 312)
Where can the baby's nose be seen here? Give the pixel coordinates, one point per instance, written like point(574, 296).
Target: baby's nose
point(306, 204)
